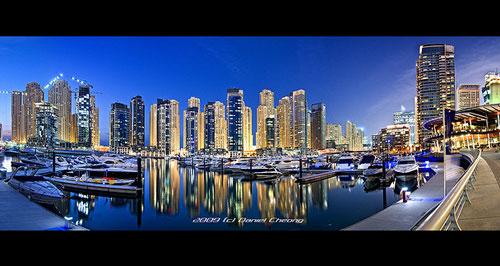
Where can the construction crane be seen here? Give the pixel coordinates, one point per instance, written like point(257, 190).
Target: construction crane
point(56, 78)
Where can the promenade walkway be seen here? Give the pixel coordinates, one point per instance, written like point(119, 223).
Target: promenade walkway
point(19, 213)
point(484, 211)
point(404, 216)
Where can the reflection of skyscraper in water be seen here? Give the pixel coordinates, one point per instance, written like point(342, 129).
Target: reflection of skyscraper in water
point(266, 200)
point(191, 192)
point(240, 197)
point(164, 186)
point(319, 194)
point(289, 204)
point(215, 197)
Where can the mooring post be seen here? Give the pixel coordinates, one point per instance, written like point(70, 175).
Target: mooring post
point(222, 165)
point(53, 162)
point(139, 172)
point(204, 164)
point(251, 164)
point(300, 167)
point(383, 167)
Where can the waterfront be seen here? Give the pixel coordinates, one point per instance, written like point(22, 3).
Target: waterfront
point(177, 198)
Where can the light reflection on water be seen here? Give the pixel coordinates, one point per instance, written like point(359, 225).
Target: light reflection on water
point(175, 196)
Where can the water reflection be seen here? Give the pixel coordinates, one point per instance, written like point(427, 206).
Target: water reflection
point(174, 195)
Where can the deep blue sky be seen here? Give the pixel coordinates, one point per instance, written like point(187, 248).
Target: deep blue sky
point(362, 79)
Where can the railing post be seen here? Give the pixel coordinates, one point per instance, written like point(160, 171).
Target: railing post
point(300, 167)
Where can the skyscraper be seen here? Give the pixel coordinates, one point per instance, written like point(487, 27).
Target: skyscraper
point(60, 97)
point(74, 128)
point(247, 129)
point(33, 95)
point(468, 96)
point(318, 126)
point(18, 134)
point(270, 132)
point(235, 106)
point(191, 129)
point(334, 134)
point(220, 126)
point(193, 102)
point(350, 135)
point(119, 123)
point(406, 118)
point(299, 119)
point(83, 112)
point(284, 123)
point(152, 126)
point(137, 123)
point(435, 85)
point(491, 89)
point(47, 126)
point(94, 123)
point(264, 110)
point(168, 123)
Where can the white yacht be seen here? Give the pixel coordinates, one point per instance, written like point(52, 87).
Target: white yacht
point(406, 166)
point(345, 163)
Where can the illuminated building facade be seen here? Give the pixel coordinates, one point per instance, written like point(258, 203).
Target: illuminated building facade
point(17, 109)
point(247, 129)
point(152, 126)
point(491, 89)
point(406, 118)
point(435, 85)
point(94, 123)
point(235, 106)
point(83, 111)
point(284, 123)
point(168, 126)
point(468, 96)
point(60, 97)
point(137, 123)
point(318, 126)
point(32, 96)
point(299, 119)
point(46, 126)
point(119, 126)
point(264, 110)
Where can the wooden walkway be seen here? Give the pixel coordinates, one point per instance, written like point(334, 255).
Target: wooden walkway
point(19, 213)
point(404, 216)
point(484, 211)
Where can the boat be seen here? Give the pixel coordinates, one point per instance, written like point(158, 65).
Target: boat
point(35, 160)
point(86, 179)
point(345, 165)
point(286, 165)
point(375, 169)
point(11, 152)
point(366, 161)
point(407, 168)
point(35, 187)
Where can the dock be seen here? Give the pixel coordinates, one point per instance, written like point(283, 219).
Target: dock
point(315, 177)
point(406, 215)
point(19, 213)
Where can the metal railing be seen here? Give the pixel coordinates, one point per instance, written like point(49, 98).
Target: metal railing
point(445, 215)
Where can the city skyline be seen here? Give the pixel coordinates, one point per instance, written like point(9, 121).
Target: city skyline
point(235, 69)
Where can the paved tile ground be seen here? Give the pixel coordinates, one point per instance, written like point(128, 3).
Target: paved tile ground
point(19, 213)
point(484, 211)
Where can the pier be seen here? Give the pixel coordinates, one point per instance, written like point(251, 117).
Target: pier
point(19, 213)
point(483, 212)
point(406, 215)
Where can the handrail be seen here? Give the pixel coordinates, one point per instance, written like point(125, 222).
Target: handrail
point(446, 209)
